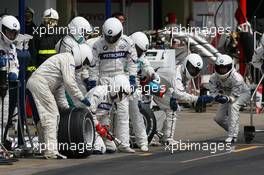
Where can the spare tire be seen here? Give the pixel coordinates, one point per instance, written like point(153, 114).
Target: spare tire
point(76, 133)
point(149, 120)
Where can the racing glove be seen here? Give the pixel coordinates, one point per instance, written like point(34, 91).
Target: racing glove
point(133, 84)
point(204, 99)
point(2, 62)
point(89, 84)
point(86, 102)
point(222, 99)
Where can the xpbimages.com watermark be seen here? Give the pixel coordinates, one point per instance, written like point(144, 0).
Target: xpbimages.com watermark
point(41, 30)
point(80, 147)
point(207, 31)
point(212, 147)
point(148, 89)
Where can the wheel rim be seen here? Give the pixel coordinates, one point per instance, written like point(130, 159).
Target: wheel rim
point(88, 132)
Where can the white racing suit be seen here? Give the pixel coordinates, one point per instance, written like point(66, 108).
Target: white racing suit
point(9, 53)
point(46, 85)
point(111, 60)
point(136, 118)
point(236, 89)
point(101, 105)
point(174, 81)
point(257, 59)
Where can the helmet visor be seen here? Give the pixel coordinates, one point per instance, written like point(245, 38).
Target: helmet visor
point(86, 34)
point(193, 71)
point(223, 69)
point(10, 34)
point(113, 39)
point(139, 51)
point(50, 22)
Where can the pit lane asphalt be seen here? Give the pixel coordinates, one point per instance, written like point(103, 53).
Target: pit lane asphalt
point(245, 160)
point(196, 127)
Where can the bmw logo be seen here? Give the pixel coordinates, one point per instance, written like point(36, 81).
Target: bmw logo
point(14, 25)
point(198, 64)
point(221, 61)
point(110, 32)
point(105, 47)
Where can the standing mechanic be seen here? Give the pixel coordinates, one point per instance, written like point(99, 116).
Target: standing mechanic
point(115, 54)
point(9, 30)
point(47, 86)
point(145, 71)
point(227, 86)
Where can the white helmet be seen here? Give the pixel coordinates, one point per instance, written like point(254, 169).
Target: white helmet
point(224, 64)
point(50, 17)
point(112, 30)
point(9, 28)
point(141, 42)
point(80, 28)
point(119, 88)
point(193, 64)
point(82, 55)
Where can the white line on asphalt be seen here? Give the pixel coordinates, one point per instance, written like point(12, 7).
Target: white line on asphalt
point(205, 157)
point(247, 148)
point(221, 154)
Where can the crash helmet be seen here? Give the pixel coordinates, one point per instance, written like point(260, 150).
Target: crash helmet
point(9, 28)
point(224, 64)
point(192, 65)
point(141, 42)
point(112, 30)
point(80, 29)
point(50, 17)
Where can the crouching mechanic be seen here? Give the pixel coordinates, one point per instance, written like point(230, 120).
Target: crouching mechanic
point(145, 71)
point(46, 86)
point(227, 86)
point(258, 57)
point(102, 98)
point(175, 83)
point(115, 54)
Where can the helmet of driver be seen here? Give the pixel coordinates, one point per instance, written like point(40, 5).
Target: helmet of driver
point(141, 42)
point(119, 88)
point(112, 30)
point(9, 28)
point(224, 64)
point(193, 65)
point(82, 55)
point(80, 29)
point(50, 17)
